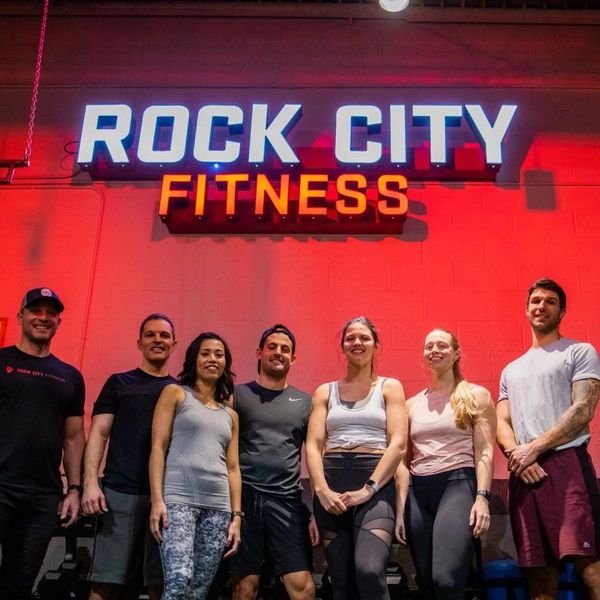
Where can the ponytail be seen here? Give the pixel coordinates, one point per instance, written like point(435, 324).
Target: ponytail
point(462, 399)
point(464, 404)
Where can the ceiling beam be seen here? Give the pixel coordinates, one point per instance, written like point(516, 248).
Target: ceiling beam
point(302, 10)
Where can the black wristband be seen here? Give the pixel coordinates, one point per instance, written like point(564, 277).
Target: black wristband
point(485, 493)
point(75, 486)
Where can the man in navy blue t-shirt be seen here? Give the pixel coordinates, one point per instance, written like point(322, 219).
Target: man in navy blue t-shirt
point(123, 412)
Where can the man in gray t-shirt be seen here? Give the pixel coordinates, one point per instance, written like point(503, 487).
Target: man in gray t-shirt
point(277, 530)
point(547, 400)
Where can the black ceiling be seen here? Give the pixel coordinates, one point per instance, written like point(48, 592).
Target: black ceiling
point(537, 4)
point(546, 5)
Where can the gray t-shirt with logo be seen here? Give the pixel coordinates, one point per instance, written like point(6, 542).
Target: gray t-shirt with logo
point(538, 386)
point(273, 426)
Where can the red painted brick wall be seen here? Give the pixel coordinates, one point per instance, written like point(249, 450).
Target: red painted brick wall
point(468, 251)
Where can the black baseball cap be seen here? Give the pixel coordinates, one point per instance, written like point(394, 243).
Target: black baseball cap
point(42, 294)
point(278, 328)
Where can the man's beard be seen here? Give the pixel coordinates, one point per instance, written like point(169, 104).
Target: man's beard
point(547, 327)
point(279, 374)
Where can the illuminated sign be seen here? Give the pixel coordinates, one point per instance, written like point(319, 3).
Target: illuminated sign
point(316, 203)
point(226, 169)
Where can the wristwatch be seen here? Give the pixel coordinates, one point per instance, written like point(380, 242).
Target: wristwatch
point(485, 493)
point(237, 513)
point(373, 485)
point(75, 486)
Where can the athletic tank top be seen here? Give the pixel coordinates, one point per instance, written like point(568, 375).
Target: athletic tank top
point(363, 424)
point(438, 445)
point(196, 467)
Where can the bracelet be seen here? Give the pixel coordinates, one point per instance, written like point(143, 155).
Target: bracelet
point(75, 486)
point(485, 493)
point(237, 513)
point(373, 485)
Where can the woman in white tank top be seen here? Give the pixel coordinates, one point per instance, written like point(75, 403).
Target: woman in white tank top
point(452, 427)
point(356, 438)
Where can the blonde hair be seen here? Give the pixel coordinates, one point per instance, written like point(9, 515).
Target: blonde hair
point(462, 399)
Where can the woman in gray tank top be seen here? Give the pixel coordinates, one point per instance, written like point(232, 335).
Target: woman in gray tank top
point(195, 480)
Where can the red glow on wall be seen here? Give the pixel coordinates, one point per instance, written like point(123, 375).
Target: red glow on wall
point(469, 247)
point(464, 260)
point(3, 324)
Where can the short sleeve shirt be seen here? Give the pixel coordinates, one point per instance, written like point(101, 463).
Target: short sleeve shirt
point(538, 386)
point(273, 425)
point(131, 398)
point(37, 395)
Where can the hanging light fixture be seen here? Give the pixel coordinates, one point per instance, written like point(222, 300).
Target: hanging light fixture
point(393, 5)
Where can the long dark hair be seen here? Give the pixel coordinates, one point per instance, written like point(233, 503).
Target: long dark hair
point(189, 375)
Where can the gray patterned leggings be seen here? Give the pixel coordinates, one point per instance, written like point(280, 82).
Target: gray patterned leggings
point(192, 547)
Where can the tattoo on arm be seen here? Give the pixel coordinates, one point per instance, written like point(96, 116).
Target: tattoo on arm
point(584, 397)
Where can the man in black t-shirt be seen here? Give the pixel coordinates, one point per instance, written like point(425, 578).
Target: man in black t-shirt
point(123, 412)
point(273, 421)
point(41, 423)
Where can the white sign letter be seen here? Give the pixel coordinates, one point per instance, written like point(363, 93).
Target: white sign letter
point(230, 115)
point(491, 135)
point(437, 116)
point(274, 133)
point(344, 117)
point(397, 133)
point(93, 132)
point(178, 117)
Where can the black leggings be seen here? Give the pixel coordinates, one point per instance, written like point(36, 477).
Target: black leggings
point(357, 543)
point(439, 535)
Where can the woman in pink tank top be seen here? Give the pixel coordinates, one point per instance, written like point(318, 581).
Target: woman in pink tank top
point(443, 484)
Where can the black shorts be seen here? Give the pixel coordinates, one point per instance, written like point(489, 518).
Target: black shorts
point(274, 533)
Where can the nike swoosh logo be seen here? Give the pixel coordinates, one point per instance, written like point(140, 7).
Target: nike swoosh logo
point(295, 399)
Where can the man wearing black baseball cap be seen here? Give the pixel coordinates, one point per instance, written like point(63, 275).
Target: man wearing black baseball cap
point(35, 295)
point(41, 422)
